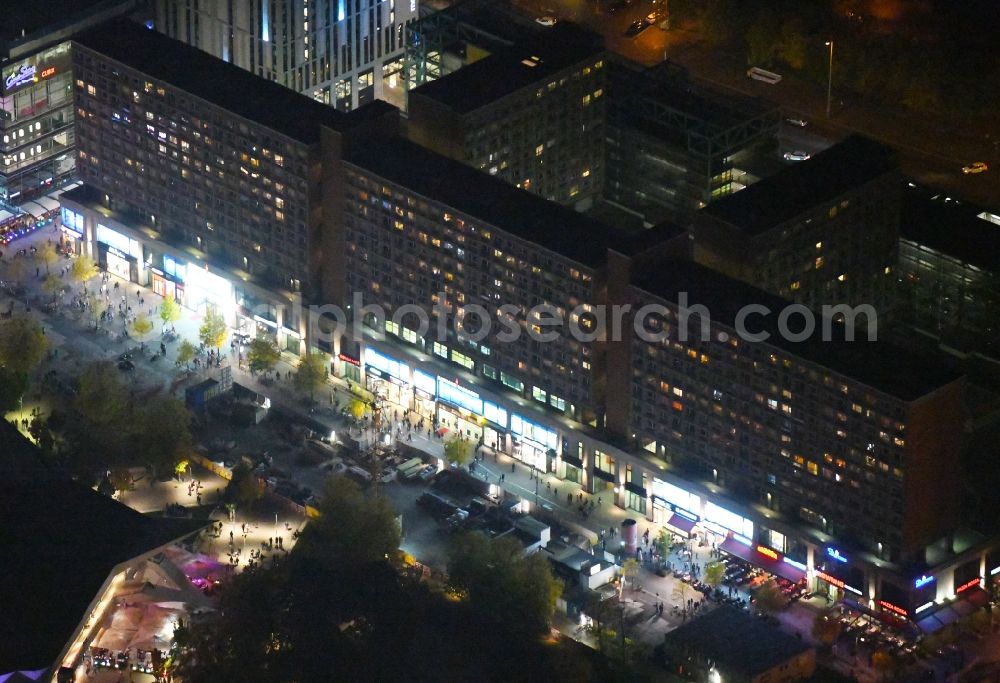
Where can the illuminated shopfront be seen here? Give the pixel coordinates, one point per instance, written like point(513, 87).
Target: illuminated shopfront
point(118, 254)
point(497, 424)
point(72, 229)
point(205, 289)
point(424, 390)
point(386, 377)
point(675, 508)
point(459, 409)
point(531, 442)
point(169, 282)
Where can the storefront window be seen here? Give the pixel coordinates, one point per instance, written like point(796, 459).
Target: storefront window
point(390, 366)
point(729, 520)
point(512, 382)
point(538, 394)
point(635, 501)
point(424, 382)
point(459, 396)
point(495, 414)
point(604, 462)
point(72, 221)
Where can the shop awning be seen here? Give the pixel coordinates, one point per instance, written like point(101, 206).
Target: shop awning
point(606, 476)
point(967, 603)
point(571, 460)
point(777, 567)
point(680, 525)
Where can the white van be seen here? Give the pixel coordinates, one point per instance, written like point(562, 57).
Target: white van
point(758, 74)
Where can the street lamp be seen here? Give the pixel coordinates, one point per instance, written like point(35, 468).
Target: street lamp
point(829, 78)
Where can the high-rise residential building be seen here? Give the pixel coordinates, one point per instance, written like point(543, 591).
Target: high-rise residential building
point(531, 114)
point(820, 232)
point(37, 151)
point(343, 53)
point(203, 180)
point(674, 146)
point(949, 271)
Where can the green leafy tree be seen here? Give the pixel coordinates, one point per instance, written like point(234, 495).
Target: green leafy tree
point(680, 594)
point(512, 591)
point(262, 356)
point(351, 529)
point(121, 481)
point(768, 598)
point(22, 344)
point(458, 450)
point(52, 285)
point(186, 352)
point(165, 436)
point(213, 330)
point(13, 385)
point(96, 305)
point(141, 327)
point(244, 489)
point(311, 374)
point(82, 269)
point(715, 572)
point(630, 572)
point(170, 311)
point(100, 433)
point(357, 408)
point(47, 255)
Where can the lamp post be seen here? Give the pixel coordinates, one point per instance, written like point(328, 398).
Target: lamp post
point(829, 78)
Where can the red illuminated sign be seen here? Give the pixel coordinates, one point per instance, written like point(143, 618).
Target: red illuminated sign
point(767, 552)
point(348, 359)
point(893, 608)
point(967, 585)
point(47, 72)
point(830, 579)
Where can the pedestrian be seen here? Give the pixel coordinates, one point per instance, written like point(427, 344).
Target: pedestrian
point(512, 468)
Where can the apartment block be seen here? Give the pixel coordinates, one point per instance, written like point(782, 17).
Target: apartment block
point(344, 53)
point(821, 232)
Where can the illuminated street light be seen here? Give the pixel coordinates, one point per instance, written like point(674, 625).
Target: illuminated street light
point(829, 78)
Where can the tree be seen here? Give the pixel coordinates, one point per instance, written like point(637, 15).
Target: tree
point(12, 388)
point(458, 450)
point(82, 269)
point(52, 285)
point(715, 572)
point(165, 435)
point(768, 598)
point(512, 592)
point(350, 529)
point(47, 254)
point(630, 572)
point(601, 612)
point(213, 330)
point(244, 489)
point(121, 481)
point(22, 344)
point(262, 356)
point(170, 311)
point(311, 374)
point(96, 305)
point(185, 354)
point(357, 408)
point(100, 432)
point(141, 327)
point(826, 628)
point(680, 594)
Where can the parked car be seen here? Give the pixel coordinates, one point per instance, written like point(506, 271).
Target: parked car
point(322, 446)
point(547, 20)
point(797, 155)
point(801, 123)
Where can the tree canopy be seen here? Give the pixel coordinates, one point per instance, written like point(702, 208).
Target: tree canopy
point(82, 269)
point(458, 450)
point(170, 310)
point(262, 355)
point(213, 330)
point(311, 374)
point(22, 344)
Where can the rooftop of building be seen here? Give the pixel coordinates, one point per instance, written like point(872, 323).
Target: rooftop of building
point(950, 226)
point(736, 641)
point(25, 21)
point(68, 538)
point(802, 186)
point(531, 60)
point(219, 83)
point(488, 24)
point(705, 112)
point(486, 198)
point(904, 374)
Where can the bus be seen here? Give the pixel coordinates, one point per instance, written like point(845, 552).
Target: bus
point(759, 74)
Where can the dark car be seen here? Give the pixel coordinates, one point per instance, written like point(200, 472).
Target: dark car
point(637, 27)
point(126, 365)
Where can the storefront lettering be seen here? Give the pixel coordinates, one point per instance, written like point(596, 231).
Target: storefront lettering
point(922, 581)
point(893, 608)
point(347, 359)
point(767, 552)
point(835, 554)
point(23, 75)
point(967, 585)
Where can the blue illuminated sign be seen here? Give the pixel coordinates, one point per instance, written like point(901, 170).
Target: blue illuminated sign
point(922, 581)
point(26, 74)
point(835, 554)
point(459, 396)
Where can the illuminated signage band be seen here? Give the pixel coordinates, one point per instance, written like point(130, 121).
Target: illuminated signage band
point(25, 74)
point(347, 359)
point(797, 565)
point(926, 605)
point(967, 585)
point(922, 581)
point(995, 571)
point(767, 552)
point(834, 581)
point(893, 608)
point(835, 554)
